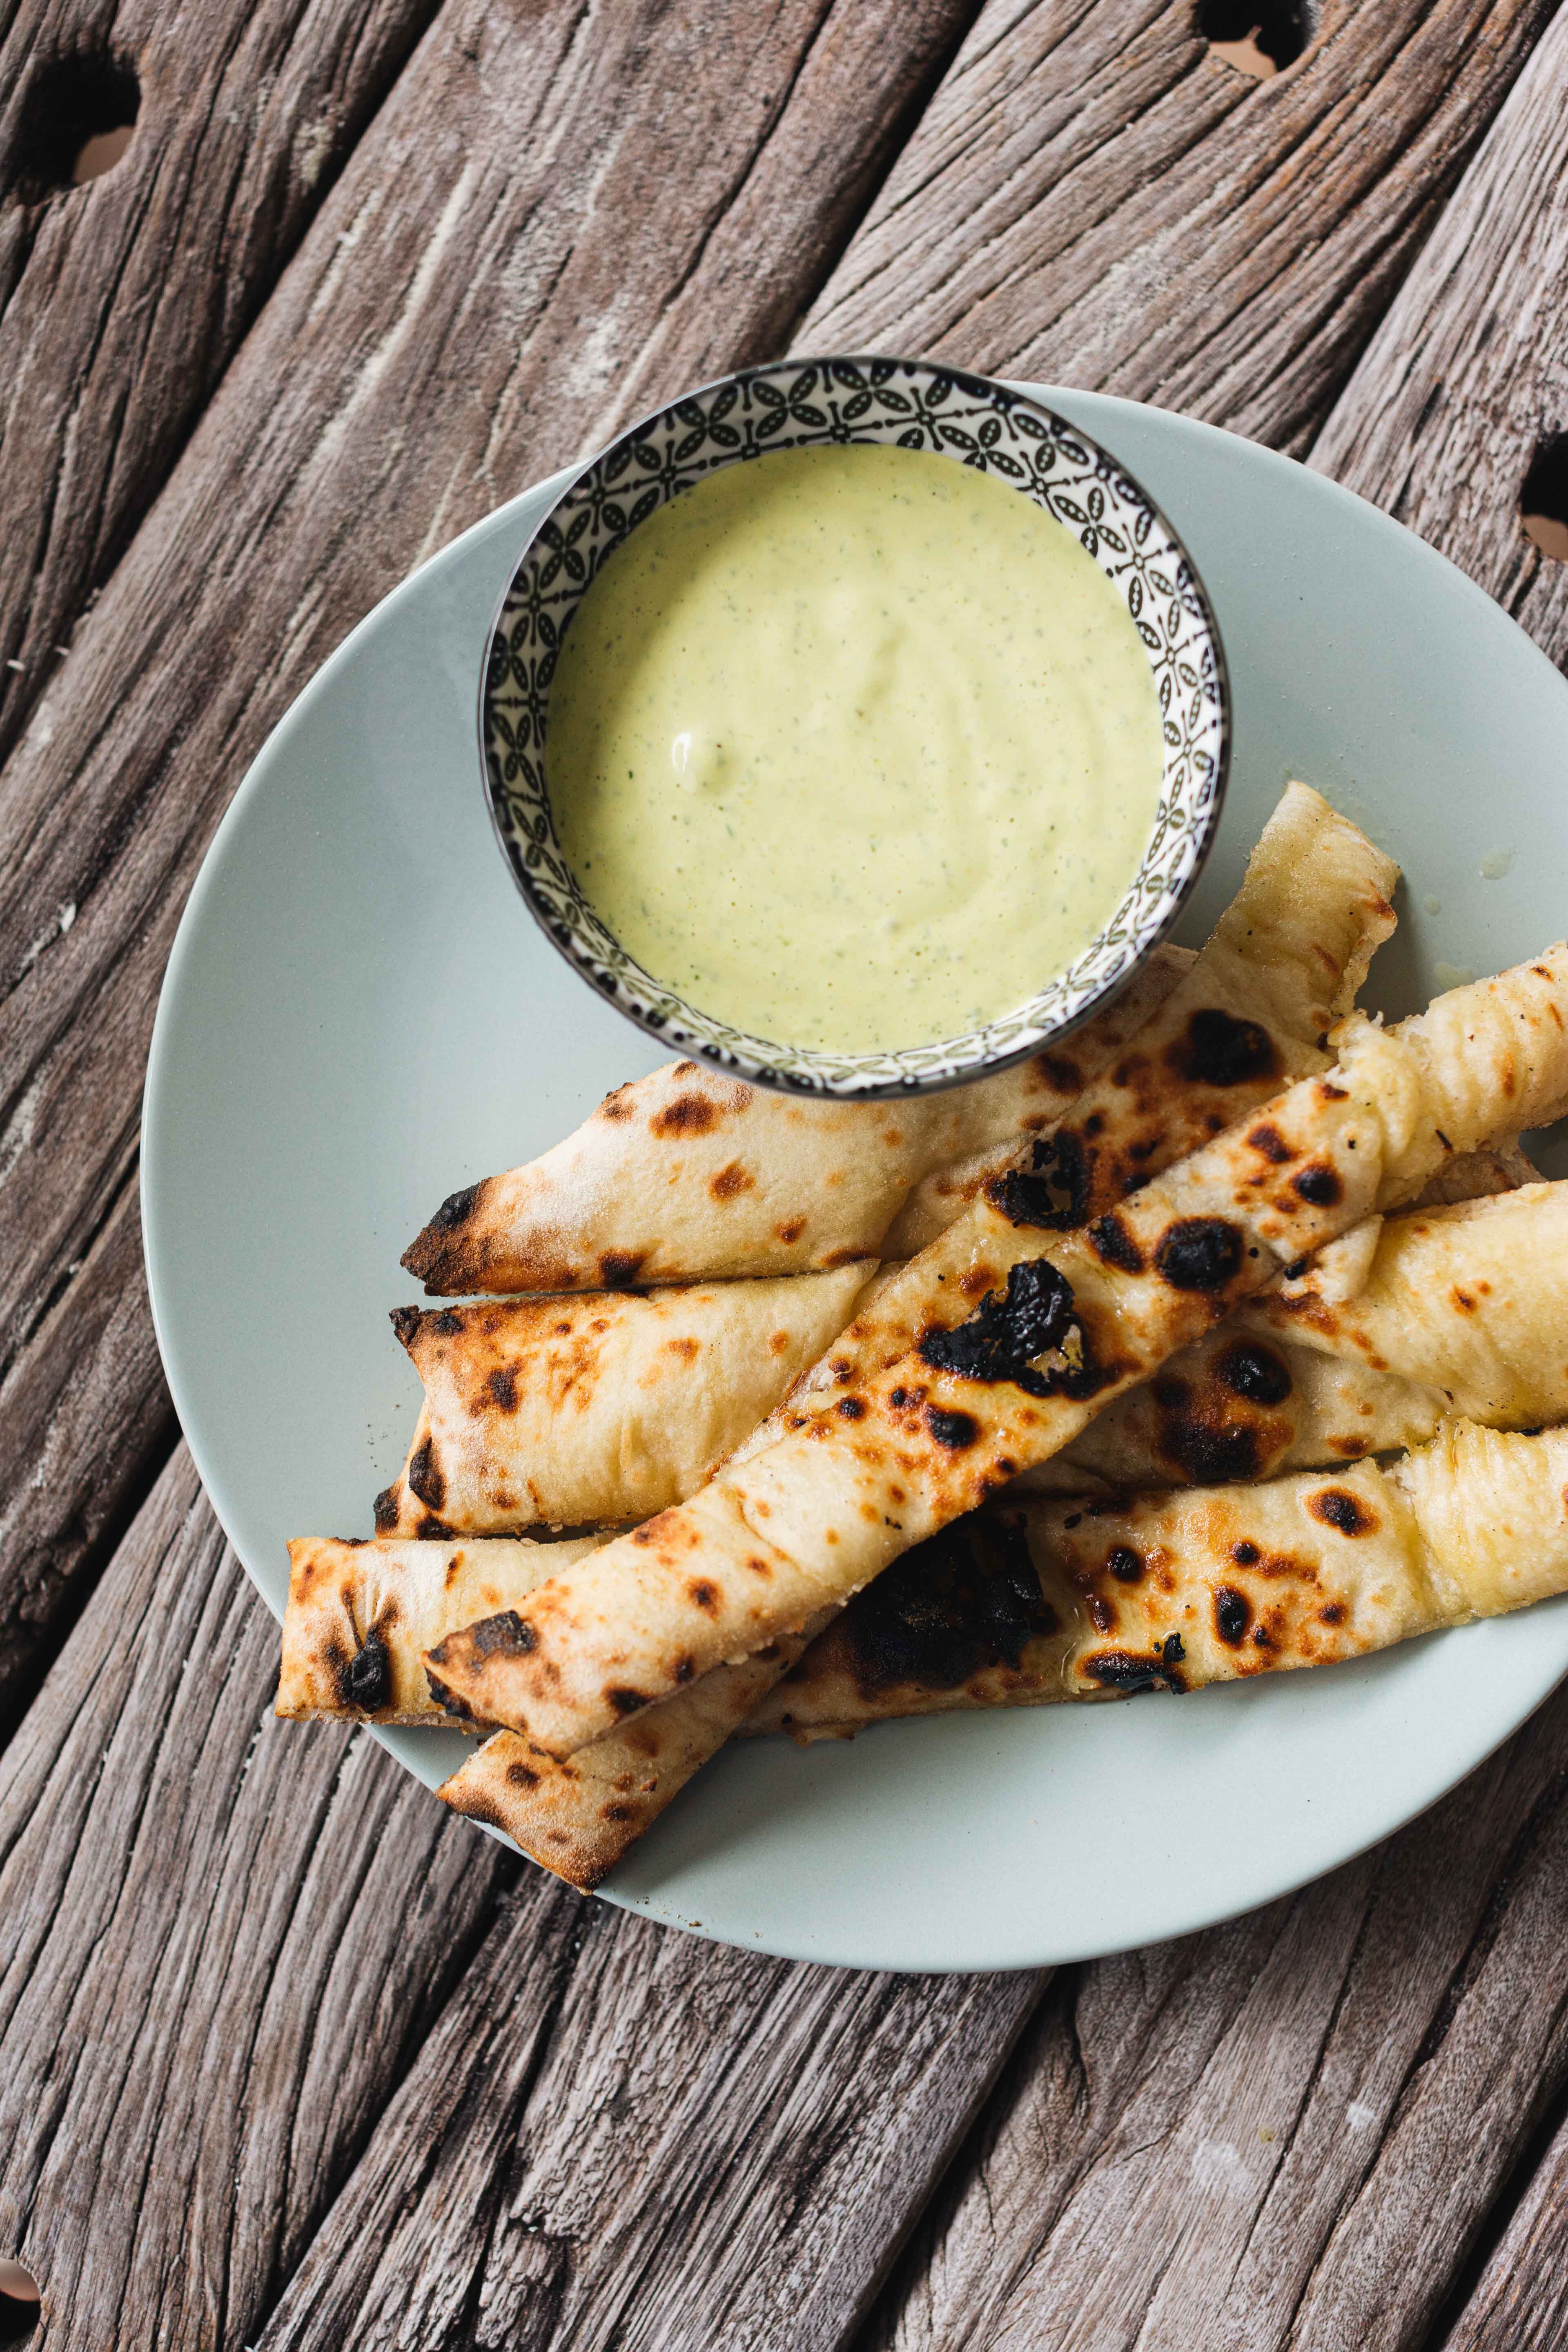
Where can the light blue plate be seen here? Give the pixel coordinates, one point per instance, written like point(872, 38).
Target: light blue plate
point(359, 1016)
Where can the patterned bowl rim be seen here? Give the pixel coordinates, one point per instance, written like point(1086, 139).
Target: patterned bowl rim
point(954, 1071)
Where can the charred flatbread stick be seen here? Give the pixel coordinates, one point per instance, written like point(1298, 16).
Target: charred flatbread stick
point(1178, 1589)
point(579, 1815)
point(1403, 1322)
point(686, 1176)
point(360, 1616)
point(1025, 1336)
point(581, 1411)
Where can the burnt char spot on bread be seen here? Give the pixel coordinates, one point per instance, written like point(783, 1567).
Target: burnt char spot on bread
point(425, 1477)
point(702, 1594)
point(955, 1430)
point(446, 1697)
point(1198, 1436)
point(1026, 1199)
point(1065, 1077)
point(1232, 1615)
point(851, 1408)
point(502, 1386)
point(730, 1181)
point(790, 1232)
point(1125, 1671)
point(966, 1600)
point(521, 1775)
point(1336, 1508)
point(405, 1322)
point(1058, 1162)
point(1008, 1329)
point(387, 1505)
point(1199, 1253)
point(1126, 1565)
point(686, 1115)
point(619, 1268)
point(364, 1681)
point(456, 1209)
point(1245, 1553)
point(1268, 1143)
point(1318, 1185)
point(625, 1701)
point(1248, 1369)
point(1219, 1050)
point(427, 1256)
point(506, 1631)
point(1114, 1246)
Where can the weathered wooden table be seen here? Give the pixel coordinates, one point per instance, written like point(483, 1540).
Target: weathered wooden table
point(290, 2056)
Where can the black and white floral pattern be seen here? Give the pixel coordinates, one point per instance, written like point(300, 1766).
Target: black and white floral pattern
point(915, 406)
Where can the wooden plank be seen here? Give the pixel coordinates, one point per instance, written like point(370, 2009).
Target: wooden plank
point(121, 303)
point(469, 139)
point(1286, 2131)
point(1468, 377)
point(220, 1943)
point(716, 2150)
point(92, 1369)
point(1093, 199)
point(1520, 2302)
point(1289, 2132)
point(540, 203)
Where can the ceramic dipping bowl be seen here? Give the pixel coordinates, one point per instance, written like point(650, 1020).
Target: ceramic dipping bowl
point(915, 405)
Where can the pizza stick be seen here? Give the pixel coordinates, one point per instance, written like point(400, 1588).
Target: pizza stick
point(1025, 1336)
point(360, 1617)
point(577, 1411)
point(1175, 1590)
point(1404, 1321)
point(1475, 1303)
point(686, 1175)
point(359, 1622)
point(578, 1815)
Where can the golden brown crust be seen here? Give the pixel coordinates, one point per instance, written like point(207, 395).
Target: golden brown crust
point(686, 1176)
point(581, 1411)
point(360, 1616)
point(1177, 1590)
point(883, 1463)
point(578, 1817)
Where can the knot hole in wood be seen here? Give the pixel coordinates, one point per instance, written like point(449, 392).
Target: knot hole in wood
point(1259, 37)
point(19, 2303)
point(1544, 499)
point(76, 121)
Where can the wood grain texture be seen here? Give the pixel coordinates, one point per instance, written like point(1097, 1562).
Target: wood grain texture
point(219, 1943)
point(122, 301)
point(1281, 2133)
point(709, 2148)
point(1467, 376)
point(1093, 199)
point(548, 193)
point(1520, 2302)
point(91, 1379)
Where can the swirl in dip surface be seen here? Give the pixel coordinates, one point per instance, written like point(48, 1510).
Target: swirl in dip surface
point(854, 747)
